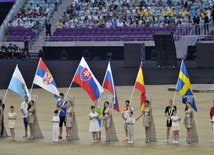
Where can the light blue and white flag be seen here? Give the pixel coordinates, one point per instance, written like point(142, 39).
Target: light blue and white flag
point(18, 85)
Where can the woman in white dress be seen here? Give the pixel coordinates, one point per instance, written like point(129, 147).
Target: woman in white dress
point(94, 125)
point(12, 122)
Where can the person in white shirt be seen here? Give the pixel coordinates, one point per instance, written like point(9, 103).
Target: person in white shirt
point(55, 122)
point(169, 8)
point(15, 21)
point(94, 125)
point(84, 4)
point(31, 24)
point(130, 125)
point(95, 17)
point(119, 3)
point(10, 25)
point(108, 24)
point(82, 17)
point(73, 24)
point(125, 114)
point(120, 23)
point(37, 7)
point(24, 111)
point(175, 127)
point(24, 25)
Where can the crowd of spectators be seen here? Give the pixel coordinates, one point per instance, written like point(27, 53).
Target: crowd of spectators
point(132, 13)
point(24, 18)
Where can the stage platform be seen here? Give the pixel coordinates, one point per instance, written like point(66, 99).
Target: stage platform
point(198, 88)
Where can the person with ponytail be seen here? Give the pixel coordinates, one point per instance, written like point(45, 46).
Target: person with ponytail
point(188, 121)
point(107, 120)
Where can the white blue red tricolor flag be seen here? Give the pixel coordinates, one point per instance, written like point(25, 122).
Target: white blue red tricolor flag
point(85, 78)
point(108, 83)
point(17, 84)
point(44, 79)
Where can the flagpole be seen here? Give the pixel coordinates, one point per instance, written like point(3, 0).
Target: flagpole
point(34, 76)
point(71, 82)
point(5, 95)
point(134, 86)
point(173, 102)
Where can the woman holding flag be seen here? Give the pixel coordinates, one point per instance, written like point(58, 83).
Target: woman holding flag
point(147, 112)
point(107, 120)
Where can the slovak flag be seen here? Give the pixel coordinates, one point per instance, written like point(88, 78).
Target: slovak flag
point(85, 78)
point(44, 79)
point(108, 83)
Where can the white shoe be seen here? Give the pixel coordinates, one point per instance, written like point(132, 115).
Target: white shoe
point(166, 141)
point(53, 140)
point(176, 142)
point(56, 140)
point(93, 141)
point(129, 141)
point(212, 141)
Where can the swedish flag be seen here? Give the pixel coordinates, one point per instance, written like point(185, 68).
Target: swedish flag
point(184, 86)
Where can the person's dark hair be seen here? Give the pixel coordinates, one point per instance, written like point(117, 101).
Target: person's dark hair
point(186, 106)
point(61, 94)
point(55, 111)
point(105, 107)
point(24, 37)
point(127, 101)
point(29, 106)
point(92, 107)
point(147, 101)
point(0, 101)
point(131, 112)
point(11, 107)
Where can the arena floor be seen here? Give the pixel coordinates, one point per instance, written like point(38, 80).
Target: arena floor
point(46, 105)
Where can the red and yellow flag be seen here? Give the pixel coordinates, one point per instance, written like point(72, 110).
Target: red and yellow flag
point(140, 86)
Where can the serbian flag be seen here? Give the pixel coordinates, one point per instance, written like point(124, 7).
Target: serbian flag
point(108, 83)
point(140, 86)
point(44, 79)
point(85, 78)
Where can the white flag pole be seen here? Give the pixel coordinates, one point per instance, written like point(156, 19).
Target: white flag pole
point(5, 95)
point(134, 85)
point(72, 81)
point(173, 102)
point(8, 86)
point(34, 76)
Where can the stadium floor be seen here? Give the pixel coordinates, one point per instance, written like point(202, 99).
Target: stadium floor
point(46, 105)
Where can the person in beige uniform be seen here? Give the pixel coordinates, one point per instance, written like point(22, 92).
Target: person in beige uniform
point(107, 120)
point(69, 120)
point(147, 112)
point(188, 121)
point(130, 125)
point(31, 118)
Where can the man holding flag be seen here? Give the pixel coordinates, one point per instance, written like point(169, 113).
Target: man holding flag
point(61, 106)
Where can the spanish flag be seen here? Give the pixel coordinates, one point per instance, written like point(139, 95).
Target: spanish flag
point(140, 86)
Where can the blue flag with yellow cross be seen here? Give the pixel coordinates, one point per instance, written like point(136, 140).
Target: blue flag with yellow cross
point(184, 86)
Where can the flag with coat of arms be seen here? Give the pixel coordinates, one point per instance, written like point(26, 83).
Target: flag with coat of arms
point(44, 79)
point(85, 78)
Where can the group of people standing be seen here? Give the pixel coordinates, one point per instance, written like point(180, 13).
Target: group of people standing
point(64, 114)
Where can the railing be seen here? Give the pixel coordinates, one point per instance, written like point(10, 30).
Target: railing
point(15, 39)
point(98, 38)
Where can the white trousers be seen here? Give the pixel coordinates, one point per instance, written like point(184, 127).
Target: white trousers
point(131, 132)
point(55, 131)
